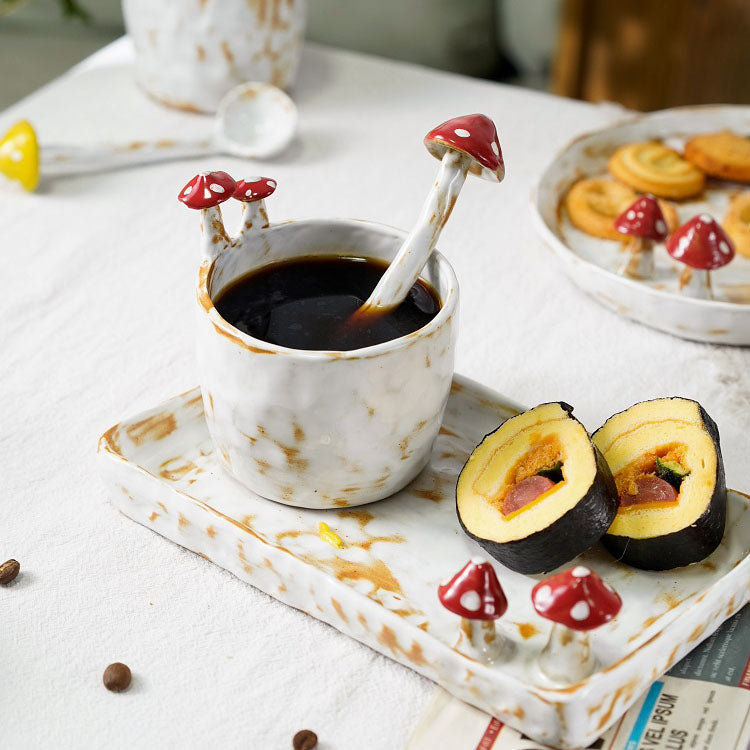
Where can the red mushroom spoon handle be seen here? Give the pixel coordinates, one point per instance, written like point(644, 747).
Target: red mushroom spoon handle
point(464, 144)
point(404, 269)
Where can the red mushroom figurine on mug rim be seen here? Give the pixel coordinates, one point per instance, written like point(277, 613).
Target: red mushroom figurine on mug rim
point(476, 595)
point(205, 192)
point(576, 601)
point(703, 246)
point(644, 223)
point(252, 192)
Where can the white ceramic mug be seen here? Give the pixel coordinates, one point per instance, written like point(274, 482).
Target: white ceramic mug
point(321, 429)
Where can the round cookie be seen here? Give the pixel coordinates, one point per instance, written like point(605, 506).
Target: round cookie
point(724, 154)
point(593, 205)
point(652, 167)
point(737, 223)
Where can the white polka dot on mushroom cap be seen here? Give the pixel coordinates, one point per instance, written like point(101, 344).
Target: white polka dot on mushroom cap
point(630, 214)
point(206, 193)
point(470, 600)
point(542, 596)
point(495, 148)
point(661, 227)
point(724, 248)
point(249, 193)
point(705, 218)
point(271, 183)
point(580, 611)
point(188, 190)
point(462, 132)
point(253, 179)
point(216, 188)
point(580, 571)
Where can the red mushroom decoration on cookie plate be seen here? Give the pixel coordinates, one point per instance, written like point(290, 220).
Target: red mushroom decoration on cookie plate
point(475, 594)
point(703, 246)
point(205, 192)
point(644, 223)
point(576, 601)
point(252, 192)
point(464, 145)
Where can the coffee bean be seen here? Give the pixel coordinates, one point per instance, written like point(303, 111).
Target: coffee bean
point(8, 571)
point(305, 740)
point(117, 677)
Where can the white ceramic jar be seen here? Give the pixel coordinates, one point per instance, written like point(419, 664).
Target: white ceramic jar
point(321, 429)
point(189, 53)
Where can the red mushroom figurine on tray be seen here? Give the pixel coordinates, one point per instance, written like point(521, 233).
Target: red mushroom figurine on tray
point(252, 193)
point(464, 145)
point(576, 601)
point(475, 594)
point(205, 192)
point(703, 246)
point(644, 223)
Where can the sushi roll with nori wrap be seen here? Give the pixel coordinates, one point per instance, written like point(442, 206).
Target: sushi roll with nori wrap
point(666, 461)
point(536, 492)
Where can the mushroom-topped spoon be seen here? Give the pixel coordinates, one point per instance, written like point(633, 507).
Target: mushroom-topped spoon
point(576, 601)
point(644, 223)
point(463, 144)
point(702, 245)
point(254, 121)
point(475, 594)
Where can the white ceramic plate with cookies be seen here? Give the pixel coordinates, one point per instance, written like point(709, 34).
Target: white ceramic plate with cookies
point(592, 261)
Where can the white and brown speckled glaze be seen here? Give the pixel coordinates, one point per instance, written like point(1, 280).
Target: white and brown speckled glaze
point(191, 52)
point(380, 587)
point(321, 429)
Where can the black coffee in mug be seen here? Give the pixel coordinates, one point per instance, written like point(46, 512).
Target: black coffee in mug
point(309, 303)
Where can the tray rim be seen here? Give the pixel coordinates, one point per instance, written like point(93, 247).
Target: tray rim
point(563, 698)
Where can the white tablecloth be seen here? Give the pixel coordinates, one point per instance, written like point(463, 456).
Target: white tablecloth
point(96, 318)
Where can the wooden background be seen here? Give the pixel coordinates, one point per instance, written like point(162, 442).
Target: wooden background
point(650, 54)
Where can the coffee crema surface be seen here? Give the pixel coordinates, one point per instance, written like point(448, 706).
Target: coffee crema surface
point(309, 303)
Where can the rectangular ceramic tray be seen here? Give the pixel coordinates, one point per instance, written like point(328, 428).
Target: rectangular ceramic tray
point(380, 587)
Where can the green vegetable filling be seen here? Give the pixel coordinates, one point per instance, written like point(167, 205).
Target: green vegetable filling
point(671, 471)
point(553, 472)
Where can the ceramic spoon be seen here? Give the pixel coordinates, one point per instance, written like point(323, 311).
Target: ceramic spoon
point(254, 120)
point(463, 144)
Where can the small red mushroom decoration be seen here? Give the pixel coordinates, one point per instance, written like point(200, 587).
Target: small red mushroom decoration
point(475, 594)
point(205, 192)
point(702, 245)
point(464, 145)
point(576, 601)
point(252, 192)
point(644, 223)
